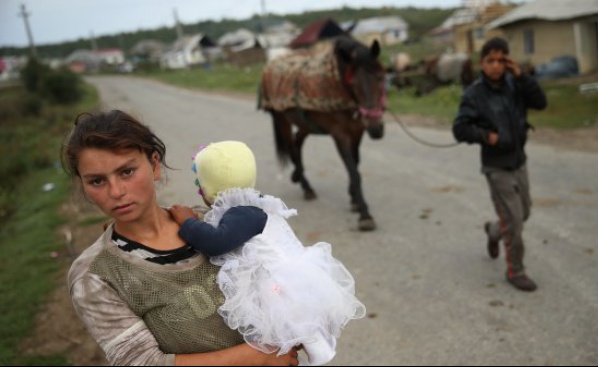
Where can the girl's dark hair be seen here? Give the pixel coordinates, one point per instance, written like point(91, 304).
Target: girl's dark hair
point(494, 44)
point(112, 130)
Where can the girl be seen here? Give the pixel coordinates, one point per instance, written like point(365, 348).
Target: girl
point(145, 296)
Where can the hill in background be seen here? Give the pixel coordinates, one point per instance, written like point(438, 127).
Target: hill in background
point(420, 21)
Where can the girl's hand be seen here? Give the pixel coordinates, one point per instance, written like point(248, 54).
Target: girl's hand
point(181, 213)
point(289, 359)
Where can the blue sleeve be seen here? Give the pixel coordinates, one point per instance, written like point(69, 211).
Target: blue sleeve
point(236, 227)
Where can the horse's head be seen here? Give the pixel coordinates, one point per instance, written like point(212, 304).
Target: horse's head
point(363, 76)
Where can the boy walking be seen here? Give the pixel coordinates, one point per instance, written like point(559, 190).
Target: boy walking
point(493, 113)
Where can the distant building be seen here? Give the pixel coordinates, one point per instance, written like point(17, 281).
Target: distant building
point(277, 38)
point(319, 30)
point(111, 56)
point(541, 30)
point(465, 30)
point(148, 50)
point(242, 47)
point(83, 61)
point(187, 52)
point(9, 67)
point(389, 30)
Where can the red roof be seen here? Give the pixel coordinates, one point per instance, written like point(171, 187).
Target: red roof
point(317, 31)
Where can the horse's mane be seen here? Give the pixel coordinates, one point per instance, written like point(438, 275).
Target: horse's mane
point(350, 50)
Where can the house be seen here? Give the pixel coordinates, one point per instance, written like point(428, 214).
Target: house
point(388, 30)
point(187, 52)
point(541, 30)
point(469, 37)
point(83, 61)
point(276, 39)
point(317, 31)
point(444, 34)
point(9, 67)
point(242, 47)
point(465, 30)
point(148, 50)
point(111, 56)
point(238, 40)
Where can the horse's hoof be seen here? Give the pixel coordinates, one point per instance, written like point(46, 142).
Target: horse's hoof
point(354, 208)
point(367, 225)
point(309, 195)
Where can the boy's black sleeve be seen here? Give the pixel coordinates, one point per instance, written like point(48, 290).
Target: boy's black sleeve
point(532, 92)
point(464, 127)
point(236, 227)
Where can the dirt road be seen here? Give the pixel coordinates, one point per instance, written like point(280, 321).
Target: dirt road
point(433, 295)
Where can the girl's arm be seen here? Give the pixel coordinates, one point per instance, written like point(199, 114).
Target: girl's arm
point(240, 355)
point(127, 341)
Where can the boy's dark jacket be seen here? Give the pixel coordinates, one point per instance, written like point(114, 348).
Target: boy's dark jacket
point(501, 108)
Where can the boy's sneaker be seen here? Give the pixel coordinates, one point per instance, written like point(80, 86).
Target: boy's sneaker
point(522, 282)
point(492, 244)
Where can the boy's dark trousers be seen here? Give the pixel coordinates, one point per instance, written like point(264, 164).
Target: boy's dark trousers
point(511, 197)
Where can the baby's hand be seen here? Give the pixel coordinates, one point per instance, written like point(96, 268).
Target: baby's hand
point(181, 213)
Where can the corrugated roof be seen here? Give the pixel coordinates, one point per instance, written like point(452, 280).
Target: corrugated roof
point(548, 10)
point(316, 31)
point(379, 25)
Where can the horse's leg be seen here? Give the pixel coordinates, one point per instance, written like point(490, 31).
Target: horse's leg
point(299, 173)
point(292, 144)
point(346, 148)
point(356, 158)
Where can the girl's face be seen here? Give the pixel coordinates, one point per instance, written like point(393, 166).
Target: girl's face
point(120, 183)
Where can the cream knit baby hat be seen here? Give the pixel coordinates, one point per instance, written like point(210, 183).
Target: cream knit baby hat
point(224, 165)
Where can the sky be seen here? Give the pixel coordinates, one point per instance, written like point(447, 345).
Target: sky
point(57, 21)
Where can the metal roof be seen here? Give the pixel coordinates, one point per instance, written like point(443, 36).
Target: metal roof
point(379, 25)
point(548, 10)
point(316, 31)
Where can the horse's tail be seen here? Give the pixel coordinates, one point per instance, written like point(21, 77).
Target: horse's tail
point(282, 134)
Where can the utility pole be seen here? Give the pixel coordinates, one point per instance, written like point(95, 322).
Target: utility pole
point(179, 27)
point(94, 44)
point(25, 15)
point(263, 15)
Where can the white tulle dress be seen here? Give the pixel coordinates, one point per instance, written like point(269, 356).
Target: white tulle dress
point(279, 293)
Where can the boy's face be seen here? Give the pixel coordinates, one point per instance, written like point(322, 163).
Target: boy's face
point(494, 65)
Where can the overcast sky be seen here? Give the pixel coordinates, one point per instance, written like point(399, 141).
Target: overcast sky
point(56, 21)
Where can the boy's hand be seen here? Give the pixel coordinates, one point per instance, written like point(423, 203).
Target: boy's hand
point(512, 67)
point(492, 138)
point(181, 213)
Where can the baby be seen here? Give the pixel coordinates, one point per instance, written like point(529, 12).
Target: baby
point(278, 293)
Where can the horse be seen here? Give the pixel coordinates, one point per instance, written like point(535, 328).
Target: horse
point(335, 88)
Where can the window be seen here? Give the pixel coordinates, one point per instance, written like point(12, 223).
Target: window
point(479, 33)
point(528, 41)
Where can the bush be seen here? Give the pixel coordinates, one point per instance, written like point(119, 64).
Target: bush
point(33, 73)
point(32, 105)
point(62, 86)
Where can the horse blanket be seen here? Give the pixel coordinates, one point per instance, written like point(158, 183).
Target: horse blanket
point(308, 79)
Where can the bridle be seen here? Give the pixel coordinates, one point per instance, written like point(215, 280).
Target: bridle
point(373, 113)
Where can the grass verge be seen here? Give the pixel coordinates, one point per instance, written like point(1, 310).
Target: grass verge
point(32, 189)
